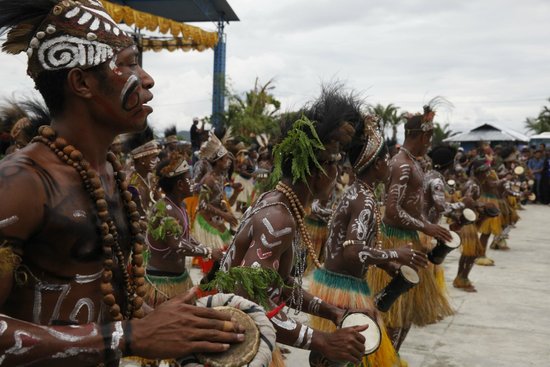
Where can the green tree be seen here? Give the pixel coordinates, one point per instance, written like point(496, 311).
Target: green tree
point(389, 118)
point(254, 113)
point(441, 132)
point(541, 123)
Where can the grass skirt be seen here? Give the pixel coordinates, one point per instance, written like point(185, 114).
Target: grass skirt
point(491, 225)
point(470, 244)
point(513, 207)
point(161, 288)
point(349, 292)
point(206, 234)
point(425, 303)
point(504, 212)
point(318, 233)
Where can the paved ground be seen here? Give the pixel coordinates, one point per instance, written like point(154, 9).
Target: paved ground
point(505, 324)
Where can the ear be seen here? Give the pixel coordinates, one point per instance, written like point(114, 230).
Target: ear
point(80, 83)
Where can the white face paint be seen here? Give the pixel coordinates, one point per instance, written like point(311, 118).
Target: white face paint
point(153, 163)
point(9, 221)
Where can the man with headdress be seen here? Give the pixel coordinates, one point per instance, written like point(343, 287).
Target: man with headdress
point(144, 153)
point(436, 202)
point(403, 219)
point(168, 236)
point(171, 138)
point(472, 248)
point(244, 175)
point(354, 243)
point(214, 216)
point(272, 237)
point(71, 263)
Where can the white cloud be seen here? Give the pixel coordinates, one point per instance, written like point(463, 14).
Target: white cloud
point(491, 58)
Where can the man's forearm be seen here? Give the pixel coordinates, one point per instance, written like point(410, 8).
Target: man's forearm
point(24, 343)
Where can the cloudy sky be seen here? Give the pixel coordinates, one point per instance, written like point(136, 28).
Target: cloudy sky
point(490, 58)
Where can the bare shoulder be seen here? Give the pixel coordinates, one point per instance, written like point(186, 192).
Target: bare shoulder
point(25, 184)
point(274, 217)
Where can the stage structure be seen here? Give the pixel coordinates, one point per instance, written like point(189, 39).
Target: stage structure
point(167, 16)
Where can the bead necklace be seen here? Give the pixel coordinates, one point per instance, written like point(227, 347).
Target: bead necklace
point(377, 214)
point(134, 284)
point(299, 214)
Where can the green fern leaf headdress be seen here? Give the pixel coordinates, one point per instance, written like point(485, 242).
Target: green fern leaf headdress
point(300, 149)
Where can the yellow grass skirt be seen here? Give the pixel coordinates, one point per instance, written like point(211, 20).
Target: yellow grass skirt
point(470, 244)
point(491, 225)
point(206, 234)
point(504, 212)
point(513, 206)
point(349, 292)
point(318, 233)
point(424, 304)
point(161, 288)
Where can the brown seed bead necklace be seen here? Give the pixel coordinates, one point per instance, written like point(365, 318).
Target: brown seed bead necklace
point(299, 214)
point(134, 283)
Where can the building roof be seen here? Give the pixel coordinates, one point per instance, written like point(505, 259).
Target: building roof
point(488, 132)
point(185, 10)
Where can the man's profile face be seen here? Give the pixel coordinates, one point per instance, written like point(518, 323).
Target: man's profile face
point(124, 92)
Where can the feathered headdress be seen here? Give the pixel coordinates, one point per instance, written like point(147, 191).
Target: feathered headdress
point(424, 121)
point(178, 165)
point(142, 144)
point(61, 34)
point(373, 143)
point(212, 149)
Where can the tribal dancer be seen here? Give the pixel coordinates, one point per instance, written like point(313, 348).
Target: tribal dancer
point(244, 175)
point(71, 263)
point(171, 138)
point(168, 236)
point(214, 216)
point(435, 200)
point(355, 242)
point(272, 235)
point(424, 304)
point(471, 245)
point(144, 152)
point(489, 184)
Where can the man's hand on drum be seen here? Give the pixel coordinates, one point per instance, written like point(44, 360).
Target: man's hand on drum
point(345, 345)
point(438, 232)
point(177, 329)
point(407, 256)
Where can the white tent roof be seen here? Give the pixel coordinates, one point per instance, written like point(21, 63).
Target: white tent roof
point(488, 132)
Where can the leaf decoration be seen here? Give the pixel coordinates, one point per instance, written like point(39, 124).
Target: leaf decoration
point(254, 281)
point(161, 224)
point(299, 148)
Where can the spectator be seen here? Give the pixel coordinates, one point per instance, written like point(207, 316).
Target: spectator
point(536, 165)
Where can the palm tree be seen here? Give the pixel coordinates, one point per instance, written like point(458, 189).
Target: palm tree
point(441, 132)
point(388, 117)
point(541, 123)
point(253, 113)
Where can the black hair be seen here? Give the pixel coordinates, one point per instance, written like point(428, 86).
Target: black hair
point(167, 184)
point(442, 156)
point(138, 139)
point(329, 112)
point(27, 15)
point(170, 130)
point(413, 124)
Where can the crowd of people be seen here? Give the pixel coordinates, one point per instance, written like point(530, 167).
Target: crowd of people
point(101, 221)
